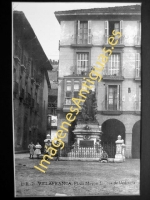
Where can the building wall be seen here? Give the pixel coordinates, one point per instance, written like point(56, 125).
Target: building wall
point(29, 125)
point(67, 60)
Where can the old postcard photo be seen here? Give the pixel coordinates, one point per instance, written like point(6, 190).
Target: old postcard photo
point(76, 87)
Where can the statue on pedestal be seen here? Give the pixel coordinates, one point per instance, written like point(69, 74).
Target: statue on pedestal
point(89, 108)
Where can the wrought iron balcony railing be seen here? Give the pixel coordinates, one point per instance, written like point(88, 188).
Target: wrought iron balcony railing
point(138, 73)
point(78, 40)
point(112, 106)
point(110, 73)
point(81, 70)
point(120, 40)
point(137, 40)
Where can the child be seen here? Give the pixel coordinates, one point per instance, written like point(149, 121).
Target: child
point(31, 147)
point(38, 149)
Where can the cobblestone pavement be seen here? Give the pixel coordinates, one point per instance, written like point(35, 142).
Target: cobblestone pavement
point(76, 178)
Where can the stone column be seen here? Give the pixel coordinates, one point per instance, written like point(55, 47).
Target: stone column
point(118, 156)
point(128, 145)
point(123, 150)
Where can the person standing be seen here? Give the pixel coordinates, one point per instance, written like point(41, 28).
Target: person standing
point(47, 145)
point(31, 148)
point(38, 149)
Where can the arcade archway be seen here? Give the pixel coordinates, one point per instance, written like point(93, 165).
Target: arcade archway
point(136, 140)
point(111, 128)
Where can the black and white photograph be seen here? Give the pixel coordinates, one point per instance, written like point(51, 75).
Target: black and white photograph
point(76, 96)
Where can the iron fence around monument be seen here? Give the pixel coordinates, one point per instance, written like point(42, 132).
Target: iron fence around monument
point(88, 152)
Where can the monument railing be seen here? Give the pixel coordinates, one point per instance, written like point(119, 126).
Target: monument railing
point(90, 152)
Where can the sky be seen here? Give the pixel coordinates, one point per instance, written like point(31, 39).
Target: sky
point(45, 25)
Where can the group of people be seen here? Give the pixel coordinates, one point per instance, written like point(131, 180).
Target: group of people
point(34, 150)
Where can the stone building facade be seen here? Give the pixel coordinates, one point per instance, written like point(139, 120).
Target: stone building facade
point(52, 99)
point(84, 34)
point(30, 85)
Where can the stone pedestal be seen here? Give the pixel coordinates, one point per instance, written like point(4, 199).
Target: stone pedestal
point(87, 140)
point(119, 156)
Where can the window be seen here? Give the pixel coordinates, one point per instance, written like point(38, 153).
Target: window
point(113, 25)
point(112, 98)
point(113, 65)
point(138, 65)
point(82, 62)
point(83, 32)
point(138, 36)
point(72, 90)
point(76, 89)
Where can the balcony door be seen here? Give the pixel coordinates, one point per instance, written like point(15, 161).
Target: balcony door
point(113, 65)
point(83, 39)
point(82, 62)
point(112, 97)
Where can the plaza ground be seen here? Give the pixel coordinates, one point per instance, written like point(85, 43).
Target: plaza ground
point(76, 178)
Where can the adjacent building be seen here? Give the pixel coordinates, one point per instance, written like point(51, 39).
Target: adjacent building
point(30, 85)
point(52, 99)
point(84, 33)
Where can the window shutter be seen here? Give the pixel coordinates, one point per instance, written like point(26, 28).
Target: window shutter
point(137, 64)
point(89, 32)
point(106, 97)
point(121, 30)
point(78, 35)
point(140, 29)
point(75, 33)
point(118, 98)
point(106, 32)
point(65, 82)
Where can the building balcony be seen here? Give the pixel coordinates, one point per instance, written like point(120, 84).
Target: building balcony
point(137, 41)
point(16, 86)
point(137, 107)
point(32, 103)
point(112, 108)
point(138, 74)
point(21, 96)
point(68, 103)
point(33, 79)
point(78, 41)
point(119, 44)
point(112, 74)
point(81, 71)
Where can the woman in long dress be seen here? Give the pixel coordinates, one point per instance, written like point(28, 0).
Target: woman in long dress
point(31, 147)
point(38, 149)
